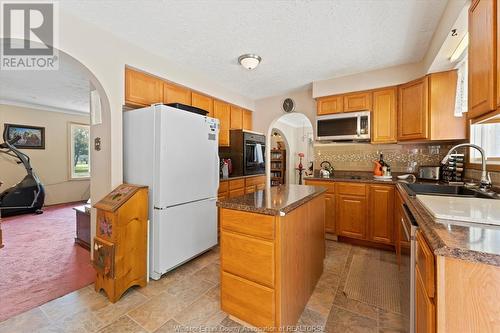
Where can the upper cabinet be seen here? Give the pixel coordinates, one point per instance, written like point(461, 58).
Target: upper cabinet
point(247, 120)
point(142, 89)
point(236, 117)
point(203, 102)
point(384, 116)
point(330, 105)
point(176, 94)
point(358, 101)
point(222, 111)
point(482, 57)
point(413, 110)
point(426, 109)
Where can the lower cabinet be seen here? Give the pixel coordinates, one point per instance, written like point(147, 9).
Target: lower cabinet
point(351, 216)
point(381, 213)
point(425, 308)
point(230, 188)
point(330, 213)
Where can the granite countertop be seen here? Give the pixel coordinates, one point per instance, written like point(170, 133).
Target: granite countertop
point(356, 176)
point(277, 200)
point(240, 177)
point(467, 241)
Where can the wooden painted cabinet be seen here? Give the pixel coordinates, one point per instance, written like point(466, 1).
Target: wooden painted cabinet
point(176, 94)
point(381, 213)
point(247, 120)
point(142, 89)
point(413, 110)
point(384, 116)
point(236, 118)
point(330, 105)
point(359, 101)
point(203, 102)
point(222, 111)
point(482, 57)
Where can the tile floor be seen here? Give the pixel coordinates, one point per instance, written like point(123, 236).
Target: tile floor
point(189, 297)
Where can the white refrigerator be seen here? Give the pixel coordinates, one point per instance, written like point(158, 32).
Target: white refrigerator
point(175, 153)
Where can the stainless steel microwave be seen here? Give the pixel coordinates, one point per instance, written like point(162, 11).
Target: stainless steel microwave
point(350, 126)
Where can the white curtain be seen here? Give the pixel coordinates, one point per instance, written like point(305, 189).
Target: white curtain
point(461, 97)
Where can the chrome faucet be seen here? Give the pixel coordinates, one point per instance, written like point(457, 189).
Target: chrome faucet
point(485, 182)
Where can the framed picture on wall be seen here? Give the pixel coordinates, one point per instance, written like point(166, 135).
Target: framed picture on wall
point(31, 137)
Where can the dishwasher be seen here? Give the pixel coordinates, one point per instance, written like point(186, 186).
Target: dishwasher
point(407, 248)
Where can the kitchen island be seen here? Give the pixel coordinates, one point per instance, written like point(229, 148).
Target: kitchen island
point(272, 247)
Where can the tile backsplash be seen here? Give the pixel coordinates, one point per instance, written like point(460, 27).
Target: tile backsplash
point(360, 156)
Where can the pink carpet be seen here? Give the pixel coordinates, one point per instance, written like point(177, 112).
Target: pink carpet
point(40, 261)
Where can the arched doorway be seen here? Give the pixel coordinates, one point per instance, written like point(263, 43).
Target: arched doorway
point(297, 131)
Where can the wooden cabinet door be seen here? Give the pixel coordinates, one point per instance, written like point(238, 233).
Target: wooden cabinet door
point(236, 118)
point(381, 212)
point(482, 51)
point(176, 94)
point(330, 104)
point(330, 213)
point(222, 111)
point(142, 89)
point(413, 110)
point(361, 101)
point(203, 102)
point(351, 216)
point(425, 321)
point(247, 120)
point(384, 116)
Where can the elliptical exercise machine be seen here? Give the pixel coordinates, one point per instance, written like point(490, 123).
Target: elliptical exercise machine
point(28, 195)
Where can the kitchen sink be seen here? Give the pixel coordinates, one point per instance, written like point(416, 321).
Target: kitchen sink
point(447, 190)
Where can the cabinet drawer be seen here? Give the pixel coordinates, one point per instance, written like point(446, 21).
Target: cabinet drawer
point(236, 184)
point(351, 189)
point(248, 257)
point(261, 186)
point(249, 301)
point(237, 193)
point(250, 189)
point(255, 180)
point(425, 264)
point(223, 186)
point(330, 186)
point(248, 223)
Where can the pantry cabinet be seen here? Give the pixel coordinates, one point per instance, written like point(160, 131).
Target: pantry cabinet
point(381, 213)
point(247, 120)
point(359, 101)
point(222, 111)
point(330, 105)
point(176, 94)
point(203, 102)
point(482, 57)
point(236, 117)
point(384, 116)
point(142, 89)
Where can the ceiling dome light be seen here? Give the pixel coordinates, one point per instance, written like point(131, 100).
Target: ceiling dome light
point(249, 61)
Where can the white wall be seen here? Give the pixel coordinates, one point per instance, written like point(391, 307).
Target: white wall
point(50, 164)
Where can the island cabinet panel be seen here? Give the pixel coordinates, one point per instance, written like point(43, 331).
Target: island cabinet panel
point(203, 102)
point(142, 89)
point(256, 225)
point(482, 57)
point(413, 110)
point(360, 101)
point(248, 301)
point(384, 116)
point(248, 257)
point(222, 111)
point(351, 216)
point(381, 213)
point(329, 202)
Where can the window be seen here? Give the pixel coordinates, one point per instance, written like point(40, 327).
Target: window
point(79, 151)
point(487, 136)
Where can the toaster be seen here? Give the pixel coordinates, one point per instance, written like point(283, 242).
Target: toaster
point(428, 172)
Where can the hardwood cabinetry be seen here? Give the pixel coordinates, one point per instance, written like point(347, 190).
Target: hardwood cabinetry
point(482, 57)
point(384, 116)
point(236, 187)
point(247, 120)
point(236, 117)
point(176, 94)
point(359, 101)
point(203, 102)
point(142, 89)
point(381, 213)
point(330, 105)
point(329, 202)
point(222, 111)
point(413, 110)
point(351, 210)
point(425, 286)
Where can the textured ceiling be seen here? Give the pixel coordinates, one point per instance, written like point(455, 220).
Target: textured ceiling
point(66, 89)
point(299, 41)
